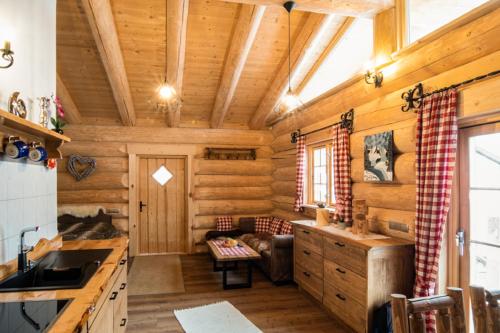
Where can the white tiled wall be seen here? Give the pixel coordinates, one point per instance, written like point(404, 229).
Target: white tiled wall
point(28, 197)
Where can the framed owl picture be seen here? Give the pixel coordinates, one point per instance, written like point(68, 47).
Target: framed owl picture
point(379, 157)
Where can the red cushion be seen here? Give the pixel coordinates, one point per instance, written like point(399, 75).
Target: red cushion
point(275, 227)
point(262, 224)
point(224, 223)
point(286, 228)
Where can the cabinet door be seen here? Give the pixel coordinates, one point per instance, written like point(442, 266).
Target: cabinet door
point(120, 303)
point(103, 322)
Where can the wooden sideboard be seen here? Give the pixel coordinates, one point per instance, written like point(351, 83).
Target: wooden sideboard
point(351, 275)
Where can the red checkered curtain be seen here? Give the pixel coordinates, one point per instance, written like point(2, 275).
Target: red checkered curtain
point(342, 174)
point(299, 175)
point(435, 163)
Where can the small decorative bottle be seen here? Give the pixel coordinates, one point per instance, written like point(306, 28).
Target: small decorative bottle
point(43, 119)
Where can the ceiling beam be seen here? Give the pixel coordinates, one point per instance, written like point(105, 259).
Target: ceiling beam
point(356, 8)
point(243, 37)
point(71, 113)
point(176, 36)
point(310, 32)
point(101, 21)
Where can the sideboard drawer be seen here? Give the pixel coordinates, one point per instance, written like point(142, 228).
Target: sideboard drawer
point(345, 307)
point(347, 255)
point(346, 281)
point(314, 240)
point(308, 259)
point(309, 282)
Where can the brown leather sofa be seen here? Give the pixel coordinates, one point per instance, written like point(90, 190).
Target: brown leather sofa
point(276, 250)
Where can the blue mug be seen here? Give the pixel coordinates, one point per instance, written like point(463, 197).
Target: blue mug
point(37, 153)
point(16, 148)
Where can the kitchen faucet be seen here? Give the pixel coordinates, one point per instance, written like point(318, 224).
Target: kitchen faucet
point(22, 260)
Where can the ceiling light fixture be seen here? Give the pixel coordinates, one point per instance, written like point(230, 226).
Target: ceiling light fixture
point(289, 101)
point(166, 92)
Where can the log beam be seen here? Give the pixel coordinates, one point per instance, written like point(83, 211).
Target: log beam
point(357, 8)
point(100, 17)
point(243, 37)
point(71, 113)
point(177, 16)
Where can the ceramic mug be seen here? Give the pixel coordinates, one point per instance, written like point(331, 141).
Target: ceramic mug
point(37, 153)
point(16, 148)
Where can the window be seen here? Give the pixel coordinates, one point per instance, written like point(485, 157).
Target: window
point(320, 171)
point(425, 16)
point(346, 59)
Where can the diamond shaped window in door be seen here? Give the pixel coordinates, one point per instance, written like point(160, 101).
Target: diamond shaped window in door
point(162, 175)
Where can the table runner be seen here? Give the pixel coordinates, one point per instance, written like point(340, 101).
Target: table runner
point(230, 251)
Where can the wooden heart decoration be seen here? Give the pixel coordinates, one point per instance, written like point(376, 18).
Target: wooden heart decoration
point(81, 167)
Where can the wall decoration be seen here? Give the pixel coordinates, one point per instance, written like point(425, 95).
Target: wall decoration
point(44, 104)
point(230, 154)
point(81, 167)
point(379, 159)
point(17, 105)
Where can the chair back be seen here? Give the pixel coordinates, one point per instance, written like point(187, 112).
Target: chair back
point(408, 314)
point(485, 309)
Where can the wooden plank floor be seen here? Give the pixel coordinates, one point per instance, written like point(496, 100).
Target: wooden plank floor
point(273, 309)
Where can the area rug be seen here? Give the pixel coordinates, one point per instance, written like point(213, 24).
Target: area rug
point(220, 317)
point(159, 274)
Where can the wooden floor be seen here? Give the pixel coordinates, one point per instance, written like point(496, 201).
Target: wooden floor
point(271, 308)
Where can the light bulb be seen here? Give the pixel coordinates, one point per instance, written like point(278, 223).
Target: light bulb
point(166, 92)
point(290, 101)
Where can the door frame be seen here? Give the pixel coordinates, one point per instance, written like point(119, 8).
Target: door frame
point(135, 152)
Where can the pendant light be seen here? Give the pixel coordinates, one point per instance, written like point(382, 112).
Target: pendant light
point(289, 101)
point(166, 91)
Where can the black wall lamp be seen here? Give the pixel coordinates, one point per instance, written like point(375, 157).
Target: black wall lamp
point(7, 54)
point(372, 76)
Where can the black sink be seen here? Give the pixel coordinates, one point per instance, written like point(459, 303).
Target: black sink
point(58, 270)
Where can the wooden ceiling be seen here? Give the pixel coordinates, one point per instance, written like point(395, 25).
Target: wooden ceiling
point(228, 60)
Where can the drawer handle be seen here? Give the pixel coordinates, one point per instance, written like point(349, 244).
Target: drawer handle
point(124, 322)
point(307, 274)
point(340, 271)
point(306, 232)
point(339, 296)
point(339, 244)
point(123, 286)
point(307, 253)
point(113, 295)
point(123, 261)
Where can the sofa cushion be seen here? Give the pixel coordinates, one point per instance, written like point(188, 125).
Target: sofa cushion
point(262, 224)
point(286, 228)
point(257, 242)
point(247, 225)
point(224, 223)
point(275, 227)
point(247, 237)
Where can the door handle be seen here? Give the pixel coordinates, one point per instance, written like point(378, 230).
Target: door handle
point(460, 241)
point(141, 205)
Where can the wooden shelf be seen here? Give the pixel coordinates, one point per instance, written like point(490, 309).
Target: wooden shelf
point(13, 125)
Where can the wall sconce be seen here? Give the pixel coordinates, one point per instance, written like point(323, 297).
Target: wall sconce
point(7, 54)
point(372, 76)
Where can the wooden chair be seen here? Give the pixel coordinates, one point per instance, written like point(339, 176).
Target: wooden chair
point(407, 314)
point(485, 310)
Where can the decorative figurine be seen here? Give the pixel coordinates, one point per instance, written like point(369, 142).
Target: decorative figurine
point(43, 119)
point(17, 105)
point(360, 225)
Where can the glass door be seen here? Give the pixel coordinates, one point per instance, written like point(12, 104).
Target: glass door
point(478, 236)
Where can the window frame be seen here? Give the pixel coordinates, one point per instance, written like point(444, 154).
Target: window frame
point(329, 170)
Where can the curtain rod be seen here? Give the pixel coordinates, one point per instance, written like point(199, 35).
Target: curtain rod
point(414, 97)
point(346, 121)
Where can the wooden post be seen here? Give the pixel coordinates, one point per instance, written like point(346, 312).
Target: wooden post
point(457, 310)
point(399, 314)
point(479, 315)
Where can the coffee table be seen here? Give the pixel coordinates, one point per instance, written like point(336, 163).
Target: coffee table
point(233, 259)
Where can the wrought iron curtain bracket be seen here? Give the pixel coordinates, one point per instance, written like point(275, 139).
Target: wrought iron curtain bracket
point(346, 121)
point(295, 135)
point(413, 98)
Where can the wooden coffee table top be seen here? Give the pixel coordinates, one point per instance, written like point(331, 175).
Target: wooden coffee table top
point(214, 251)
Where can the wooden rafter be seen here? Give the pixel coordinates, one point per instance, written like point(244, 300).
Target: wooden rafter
point(312, 29)
point(176, 37)
point(102, 25)
point(71, 113)
point(243, 37)
point(356, 8)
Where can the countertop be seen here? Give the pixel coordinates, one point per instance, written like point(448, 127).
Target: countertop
point(76, 313)
point(369, 241)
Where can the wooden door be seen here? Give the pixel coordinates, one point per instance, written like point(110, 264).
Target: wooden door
point(162, 209)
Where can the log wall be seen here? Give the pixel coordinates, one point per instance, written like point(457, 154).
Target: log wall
point(235, 188)
point(465, 52)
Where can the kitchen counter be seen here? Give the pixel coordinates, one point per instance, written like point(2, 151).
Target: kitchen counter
point(77, 312)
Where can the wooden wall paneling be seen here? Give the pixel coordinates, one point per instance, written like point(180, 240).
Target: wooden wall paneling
point(232, 207)
point(89, 148)
point(231, 180)
point(134, 214)
point(101, 21)
point(181, 205)
point(163, 206)
point(385, 35)
point(71, 113)
point(92, 196)
point(242, 40)
point(233, 167)
point(255, 192)
point(383, 217)
point(96, 181)
point(104, 164)
point(144, 215)
point(152, 208)
point(404, 169)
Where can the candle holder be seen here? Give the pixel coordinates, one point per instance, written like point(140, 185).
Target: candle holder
point(7, 55)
